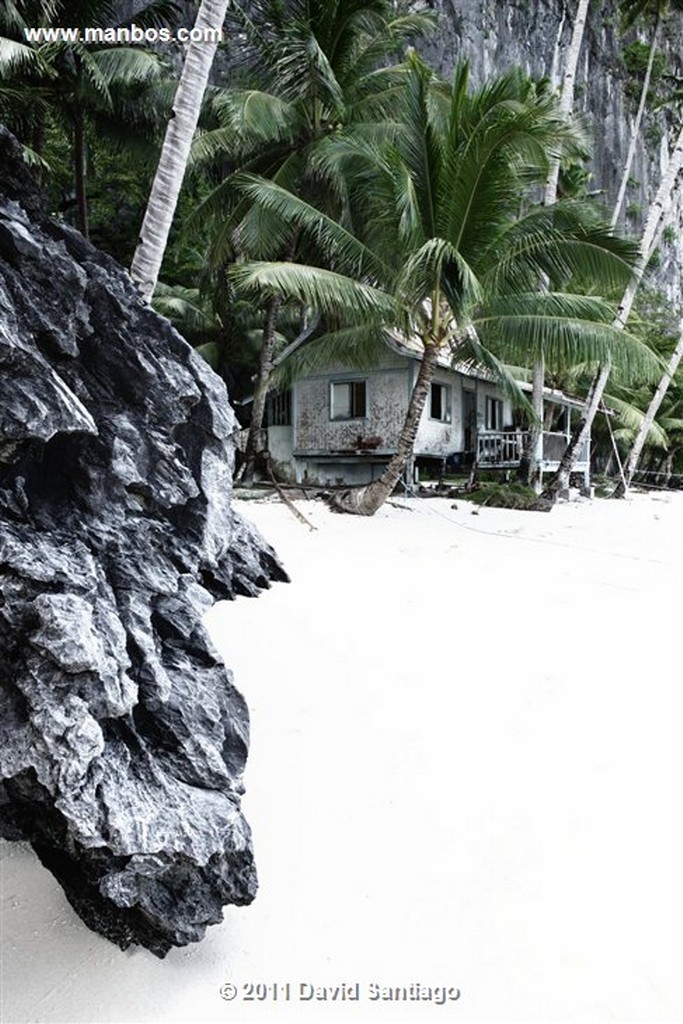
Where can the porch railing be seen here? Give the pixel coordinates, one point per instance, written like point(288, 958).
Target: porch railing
point(503, 448)
point(500, 447)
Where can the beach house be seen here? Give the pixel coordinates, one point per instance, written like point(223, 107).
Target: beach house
point(341, 425)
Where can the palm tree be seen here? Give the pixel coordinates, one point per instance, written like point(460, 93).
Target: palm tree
point(73, 78)
point(320, 67)
point(529, 470)
point(168, 180)
point(633, 11)
point(440, 251)
point(658, 211)
point(631, 464)
point(566, 102)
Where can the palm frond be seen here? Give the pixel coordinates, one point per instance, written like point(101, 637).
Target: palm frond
point(565, 328)
point(360, 347)
point(183, 307)
point(16, 56)
point(630, 419)
point(320, 289)
point(125, 65)
point(342, 249)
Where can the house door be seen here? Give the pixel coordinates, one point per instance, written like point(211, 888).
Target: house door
point(469, 420)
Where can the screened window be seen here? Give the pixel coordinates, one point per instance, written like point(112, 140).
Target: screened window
point(494, 414)
point(440, 403)
point(348, 400)
point(279, 409)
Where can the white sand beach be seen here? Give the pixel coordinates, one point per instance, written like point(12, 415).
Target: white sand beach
point(465, 777)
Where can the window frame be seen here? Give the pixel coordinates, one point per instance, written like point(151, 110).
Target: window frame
point(493, 413)
point(446, 406)
point(279, 408)
point(353, 383)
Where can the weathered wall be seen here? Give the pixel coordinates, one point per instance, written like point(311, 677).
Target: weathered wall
point(387, 396)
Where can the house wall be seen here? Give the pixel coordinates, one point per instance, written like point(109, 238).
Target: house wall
point(297, 451)
point(334, 473)
point(280, 450)
point(435, 437)
point(388, 390)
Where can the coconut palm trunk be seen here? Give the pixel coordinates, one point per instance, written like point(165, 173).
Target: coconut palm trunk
point(365, 501)
point(631, 464)
point(261, 392)
point(567, 94)
point(658, 210)
point(176, 148)
point(635, 131)
point(529, 471)
point(532, 456)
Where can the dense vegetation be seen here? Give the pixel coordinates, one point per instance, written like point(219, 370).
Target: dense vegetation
point(339, 186)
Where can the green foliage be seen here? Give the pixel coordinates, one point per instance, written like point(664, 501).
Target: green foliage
point(635, 58)
point(574, 181)
point(434, 245)
point(75, 91)
point(306, 73)
point(506, 495)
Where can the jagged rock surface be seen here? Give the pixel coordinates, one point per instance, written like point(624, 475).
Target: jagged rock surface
point(122, 738)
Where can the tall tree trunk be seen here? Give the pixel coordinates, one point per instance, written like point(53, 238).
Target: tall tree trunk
point(631, 464)
point(658, 210)
point(365, 501)
point(530, 466)
point(80, 173)
point(261, 393)
point(264, 371)
point(567, 94)
point(635, 131)
point(176, 149)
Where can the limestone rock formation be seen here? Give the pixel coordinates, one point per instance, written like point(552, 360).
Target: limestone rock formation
point(122, 738)
point(534, 35)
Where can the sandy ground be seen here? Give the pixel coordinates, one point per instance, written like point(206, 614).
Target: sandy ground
point(465, 776)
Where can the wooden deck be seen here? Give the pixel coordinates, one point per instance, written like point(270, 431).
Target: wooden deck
point(502, 449)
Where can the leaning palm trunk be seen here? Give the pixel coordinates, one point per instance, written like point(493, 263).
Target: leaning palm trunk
point(567, 94)
point(631, 464)
point(529, 471)
point(530, 466)
point(261, 393)
point(176, 149)
point(635, 131)
point(365, 501)
point(658, 210)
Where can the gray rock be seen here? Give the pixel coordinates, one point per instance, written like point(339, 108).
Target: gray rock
point(122, 738)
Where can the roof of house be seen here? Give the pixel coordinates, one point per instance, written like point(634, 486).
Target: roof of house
point(412, 348)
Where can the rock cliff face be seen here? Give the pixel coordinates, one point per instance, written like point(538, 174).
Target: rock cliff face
point(122, 738)
point(534, 34)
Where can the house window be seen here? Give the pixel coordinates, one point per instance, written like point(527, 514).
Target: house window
point(348, 400)
point(494, 414)
point(279, 409)
point(440, 403)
